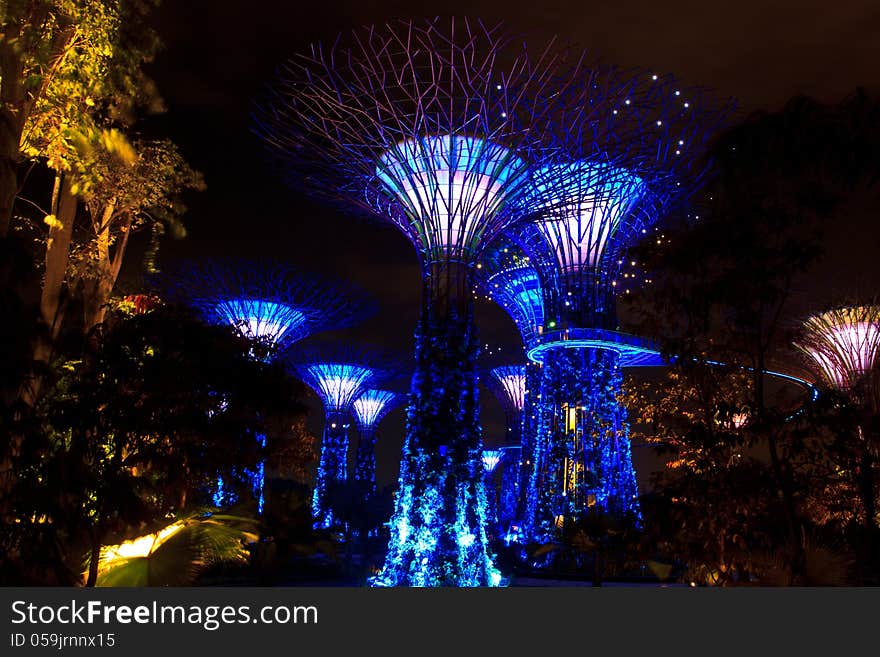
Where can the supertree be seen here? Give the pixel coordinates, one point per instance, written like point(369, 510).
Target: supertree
point(271, 303)
point(843, 345)
point(510, 278)
point(423, 124)
point(338, 377)
point(368, 410)
point(507, 276)
point(613, 180)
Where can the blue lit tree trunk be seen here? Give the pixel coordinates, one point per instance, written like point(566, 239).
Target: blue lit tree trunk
point(529, 436)
point(438, 529)
point(581, 457)
point(332, 468)
point(365, 459)
point(492, 503)
point(510, 491)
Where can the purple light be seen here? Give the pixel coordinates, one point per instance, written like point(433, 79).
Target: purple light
point(513, 380)
point(450, 188)
point(338, 384)
point(586, 202)
point(844, 343)
point(491, 458)
point(371, 407)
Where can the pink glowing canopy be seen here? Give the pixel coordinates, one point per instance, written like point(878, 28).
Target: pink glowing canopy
point(586, 203)
point(843, 343)
point(449, 187)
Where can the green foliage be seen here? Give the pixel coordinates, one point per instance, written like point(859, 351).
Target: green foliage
point(202, 542)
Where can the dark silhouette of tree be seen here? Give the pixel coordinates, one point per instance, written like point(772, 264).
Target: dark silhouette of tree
point(723, 279)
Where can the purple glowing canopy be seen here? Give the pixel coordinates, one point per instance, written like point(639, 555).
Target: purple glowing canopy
point(843, 344)
point(588, 202)
point(425, 124)
point(371, 407)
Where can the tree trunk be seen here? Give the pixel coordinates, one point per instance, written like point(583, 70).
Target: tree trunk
point(8, 172)
point(51, 306)
point(94, 558)
point(98, 288)
point(11, 125)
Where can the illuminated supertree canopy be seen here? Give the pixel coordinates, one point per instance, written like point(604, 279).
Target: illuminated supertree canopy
point(338, 381)
point(843, 344)
point(507, 276)
point(614, 179)
point(491, 458)
point(272, 303)
point(512, 379)
point(368, 410)
point(426, 124)
point(508, 383)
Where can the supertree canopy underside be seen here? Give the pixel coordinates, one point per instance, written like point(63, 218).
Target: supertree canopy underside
point(368, 411)
point(338, 384)
point(271, 303)
point(450, 188)
point(508, 383)
point(843, 344)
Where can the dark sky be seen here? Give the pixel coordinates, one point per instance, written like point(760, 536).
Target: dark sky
point(219, 55)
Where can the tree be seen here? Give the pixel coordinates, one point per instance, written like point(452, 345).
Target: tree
point(724, 276)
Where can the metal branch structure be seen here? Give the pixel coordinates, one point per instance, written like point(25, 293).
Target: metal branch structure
point(338, 378)
point(508, 383)
point(843, 345)
point(507, 276)
point(271, 303)
point(613, 180)
point(434, 126)
point(368, 410)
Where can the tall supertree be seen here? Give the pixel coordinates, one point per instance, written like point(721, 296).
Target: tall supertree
point(338, 379)
point(424, 124)
point(271, 303)
point(510, 278)
point(368, 410)
point(613, 180)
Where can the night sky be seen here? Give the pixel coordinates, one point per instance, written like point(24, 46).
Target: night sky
point(220, 55)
